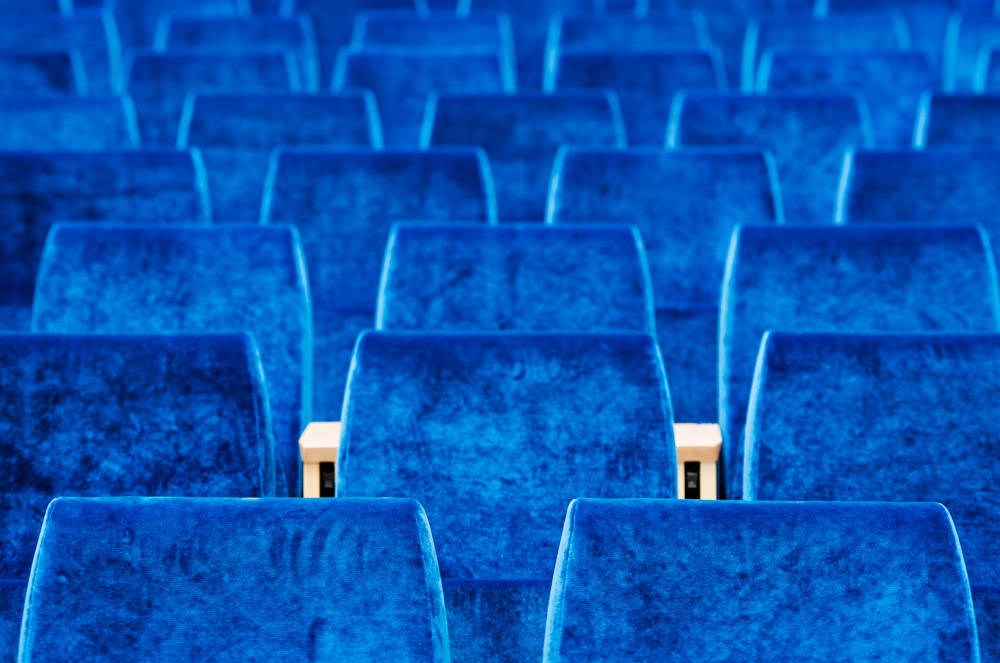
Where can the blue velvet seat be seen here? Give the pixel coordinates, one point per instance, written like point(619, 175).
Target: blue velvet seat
point(645, 82)
point(907, 186)
point(875, 31)
point(494, 434)
point(122, 415)
point(528, 278)
point(402, 79)
point(624, 32)
point(157, 279)
point(92, 34)
point(235, 580)
point(988, 71)
point(138, 20)
point(912, 418)
point(891, 84)
point(968, 35)
point(39, 188)
point(344, 203)
point(685, 204)
point(657, 580)
point(64, 123)
point(42, 74)
point(36, 6)
point(851, 279)
point(926, 20)
point(959, 120)
point(521, 134)
point(159, 83)
point(236, 133)
point(807, 134)
point(237, 35)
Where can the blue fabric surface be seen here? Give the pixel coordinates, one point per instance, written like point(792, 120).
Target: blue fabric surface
point(961, 120)
point(624, 32)
point(92, 34)
point(967, 36)
point(159, 83)
point(11, 609)
point(402, 80)
point(334, 336)
point(655, 580)
point(645, 83)
point(41, 74)
point(807, 134)
point(138, 19)
point(926, 20)
point(40, 188)
point(495, 433)
point(987, 602)
point(235, 580)
point(891, 84)
point(850, 279)
point(146, 279)
point(236, 35)
point(521, 134)
point(912, 418)
point(685, 204)
point(528, 278)
point(236, 133)
point(67, 123)
point(501, 621)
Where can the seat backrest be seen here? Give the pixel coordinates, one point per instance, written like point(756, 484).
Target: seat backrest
point(495, 433)
point(968, 35)
point(526, 278)
point(166, 279)
point(138, 20)
point(68, 123)
point(808, 134)
point(521, 135)
point(236, 580)
point(670, 579)
point(959, 121)
point(44, 74)
point(623, 32)
point(850, 279)
point(38, 189)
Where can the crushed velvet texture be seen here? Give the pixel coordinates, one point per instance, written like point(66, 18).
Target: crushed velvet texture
point(851, 279)
point(926, 20)
point(40, 188)
point(159, 82)
point(67, 123)
point(344, 203)
point(236, 133)
point(521, 134)
point(645, 83)
point(967, 36)
point(226, 580)
point(987, 602)
point(334, 336)
point(685, 204)
point(657, 580)
point(502, 621)
point(11, 608)
point(622, 32)
point(138, 20)
point(402, 81)
point(515, 278)
point(891, 84)
point(91, 34)
point(191, 279)
point(41, 74)
point(237, 35)
point(807, 134)
point(494, 434)
point(962, 120)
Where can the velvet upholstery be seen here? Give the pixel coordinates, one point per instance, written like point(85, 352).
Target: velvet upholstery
point(344, 203)
point(528, 278)
point(656, 580)
point(42, 74)
point(960, 121)
point(106, 415)
point(159, 83)
point(235, 580)
point(40, 188)
point(807, 134)
point(402, 80)
point(987, 602)
point(521, 134)
point(685, 204)
point(644, 81)
point(237, 35)
point(968, 35)
point(926, 20)
point(143, 279)
point(138, 20)
point(91, 34)
point(236, 133)
point(851, 279)
point(912, 418)
point(67, 123)
point(494, 434)
point(514, 611)
point(891, 84)
point(624, 32)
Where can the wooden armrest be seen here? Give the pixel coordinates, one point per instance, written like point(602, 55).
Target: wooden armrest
point(698, 449)
point(319, 445)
